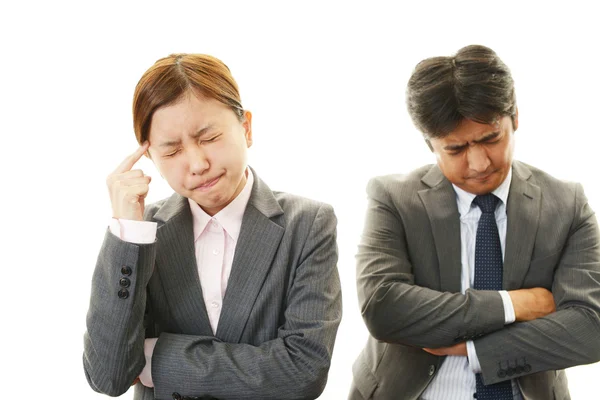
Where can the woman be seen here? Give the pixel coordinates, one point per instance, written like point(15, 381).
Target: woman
point(225, 289)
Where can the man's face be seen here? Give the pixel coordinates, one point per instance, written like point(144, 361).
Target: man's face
point(476, 157)
point(200, 147)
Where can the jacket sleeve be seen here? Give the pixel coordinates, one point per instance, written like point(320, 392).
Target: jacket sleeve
point(567, 337)
point(113, 342)
point(292, 366)
point(394, 309)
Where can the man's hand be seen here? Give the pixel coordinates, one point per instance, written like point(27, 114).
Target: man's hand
point(459, 349)
point(128, 189)
point(530, 304)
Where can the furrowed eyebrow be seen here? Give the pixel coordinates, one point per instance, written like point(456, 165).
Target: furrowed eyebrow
point(173, 143)
point(486, 138)
point(201, 132)
point(455, 147)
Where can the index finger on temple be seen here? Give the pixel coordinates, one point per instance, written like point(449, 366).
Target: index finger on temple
point(130, 161)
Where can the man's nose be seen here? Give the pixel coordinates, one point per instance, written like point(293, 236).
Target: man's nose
point(478, 158)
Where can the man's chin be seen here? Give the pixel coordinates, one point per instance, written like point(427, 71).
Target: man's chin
point(481, 187)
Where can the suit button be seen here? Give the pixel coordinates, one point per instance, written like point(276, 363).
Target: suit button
point(431, 370)
point(176, 396)
point(510, 371)
point(501, 373)
point(123, 293)
point(527, 368)
point(125, 270)
point(124, 282)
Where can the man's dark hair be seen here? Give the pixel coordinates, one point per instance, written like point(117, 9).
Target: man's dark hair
point(473, 84)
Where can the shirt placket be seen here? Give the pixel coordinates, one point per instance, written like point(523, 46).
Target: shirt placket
point(215, 252)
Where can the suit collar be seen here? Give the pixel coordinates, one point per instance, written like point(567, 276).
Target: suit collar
point(434, 177)
point(523, 213)
point(260, 233)
point(176, 266)
point(439, 200)
point(521, 170)
point(262, 228)
point(261, 198)
point(230, 217)
point(523, 209)
point(172, 207)
point(465, 199)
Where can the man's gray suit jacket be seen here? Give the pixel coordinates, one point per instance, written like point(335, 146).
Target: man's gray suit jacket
point(279, 317)
point(409, 272)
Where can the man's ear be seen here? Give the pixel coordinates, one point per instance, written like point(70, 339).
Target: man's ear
point(515, 120)
point(247, 124)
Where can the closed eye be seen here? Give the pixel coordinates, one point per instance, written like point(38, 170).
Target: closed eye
point(171, 154)
point(454, 151)
point(212, 139)
point(492, 141)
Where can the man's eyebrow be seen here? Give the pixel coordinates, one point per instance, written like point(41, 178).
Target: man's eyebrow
point(488, 137)
point(172, 143)
point(454, 147)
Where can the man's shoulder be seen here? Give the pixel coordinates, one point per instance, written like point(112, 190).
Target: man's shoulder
point(392, 183)
point(544, 180)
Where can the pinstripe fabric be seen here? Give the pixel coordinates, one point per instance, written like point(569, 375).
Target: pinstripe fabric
point(280, 312)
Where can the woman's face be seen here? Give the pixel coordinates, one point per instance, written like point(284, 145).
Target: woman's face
point(200, 147)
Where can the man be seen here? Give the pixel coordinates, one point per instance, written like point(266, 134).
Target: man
point(224, 290)
point(478, 277)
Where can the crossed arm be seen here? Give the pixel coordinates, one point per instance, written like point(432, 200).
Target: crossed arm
point(396, 310)
point(292, 365)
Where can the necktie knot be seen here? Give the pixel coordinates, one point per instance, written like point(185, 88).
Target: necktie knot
point(486, 202)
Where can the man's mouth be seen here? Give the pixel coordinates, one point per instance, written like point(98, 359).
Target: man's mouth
point(482, 177)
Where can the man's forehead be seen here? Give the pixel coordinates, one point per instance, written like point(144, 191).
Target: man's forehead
point(469, 130)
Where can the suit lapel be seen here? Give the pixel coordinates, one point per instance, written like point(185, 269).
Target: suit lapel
point(440, 202)
point(523, 212)
point(177, 267)
point(256, 246)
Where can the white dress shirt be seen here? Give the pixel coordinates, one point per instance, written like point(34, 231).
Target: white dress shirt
point(215, 239)
point(455, 379)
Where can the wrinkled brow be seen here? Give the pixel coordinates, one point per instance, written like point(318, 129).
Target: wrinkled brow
point(172, 143)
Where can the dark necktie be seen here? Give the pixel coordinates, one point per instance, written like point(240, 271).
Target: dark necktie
point(488, 276)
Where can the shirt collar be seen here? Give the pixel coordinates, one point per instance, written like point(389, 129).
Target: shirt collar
point(229, 217)
point(465, 199)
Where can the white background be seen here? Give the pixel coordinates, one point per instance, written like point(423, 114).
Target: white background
point(325, 82)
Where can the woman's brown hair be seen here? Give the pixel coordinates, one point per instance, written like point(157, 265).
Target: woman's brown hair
point(171, 77)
